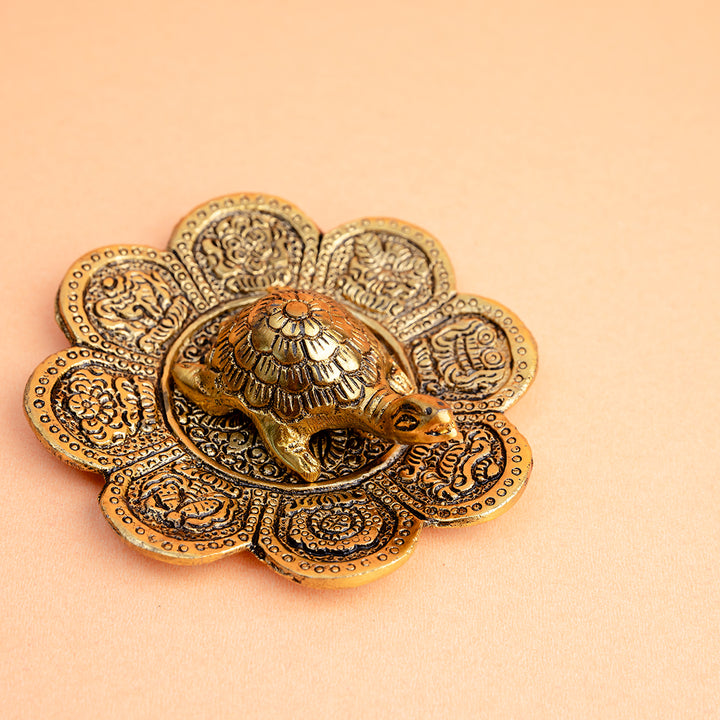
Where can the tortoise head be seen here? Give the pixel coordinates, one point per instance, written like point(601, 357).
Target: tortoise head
point(419, 419)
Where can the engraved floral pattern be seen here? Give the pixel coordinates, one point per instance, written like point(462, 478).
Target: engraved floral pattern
point(386, 274)
point(342, 524)
point(107, 408)
point(248, 251)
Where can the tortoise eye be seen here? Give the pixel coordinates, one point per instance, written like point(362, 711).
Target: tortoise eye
point(406, 422)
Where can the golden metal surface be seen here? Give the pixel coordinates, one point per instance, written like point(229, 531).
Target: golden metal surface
point(257, 386)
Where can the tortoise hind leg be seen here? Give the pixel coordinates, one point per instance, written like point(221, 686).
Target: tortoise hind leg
point(198, 382)
point(289, 446)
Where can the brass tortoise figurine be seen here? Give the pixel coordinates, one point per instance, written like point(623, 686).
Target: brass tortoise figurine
point(296, 362)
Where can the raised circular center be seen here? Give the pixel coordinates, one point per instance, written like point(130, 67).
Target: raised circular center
point(296, 309)
point(231, 444)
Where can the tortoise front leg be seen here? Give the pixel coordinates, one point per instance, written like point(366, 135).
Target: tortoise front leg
point(289, 445)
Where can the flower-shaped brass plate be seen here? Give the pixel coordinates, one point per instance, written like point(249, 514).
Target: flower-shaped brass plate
point(188, 486)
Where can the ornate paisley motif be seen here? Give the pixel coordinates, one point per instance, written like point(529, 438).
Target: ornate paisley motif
point(183, 501)
point(458, 469)
point(138, 306)
point(468, 355)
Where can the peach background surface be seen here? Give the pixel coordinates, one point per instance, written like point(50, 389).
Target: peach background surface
point(567, 154)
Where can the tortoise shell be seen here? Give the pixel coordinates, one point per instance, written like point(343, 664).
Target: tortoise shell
point(296, 351)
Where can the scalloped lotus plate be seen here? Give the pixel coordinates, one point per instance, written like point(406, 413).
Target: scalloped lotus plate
point(187, 487)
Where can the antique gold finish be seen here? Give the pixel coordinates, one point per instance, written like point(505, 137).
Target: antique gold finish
point(296, 362)
point(313, 399)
